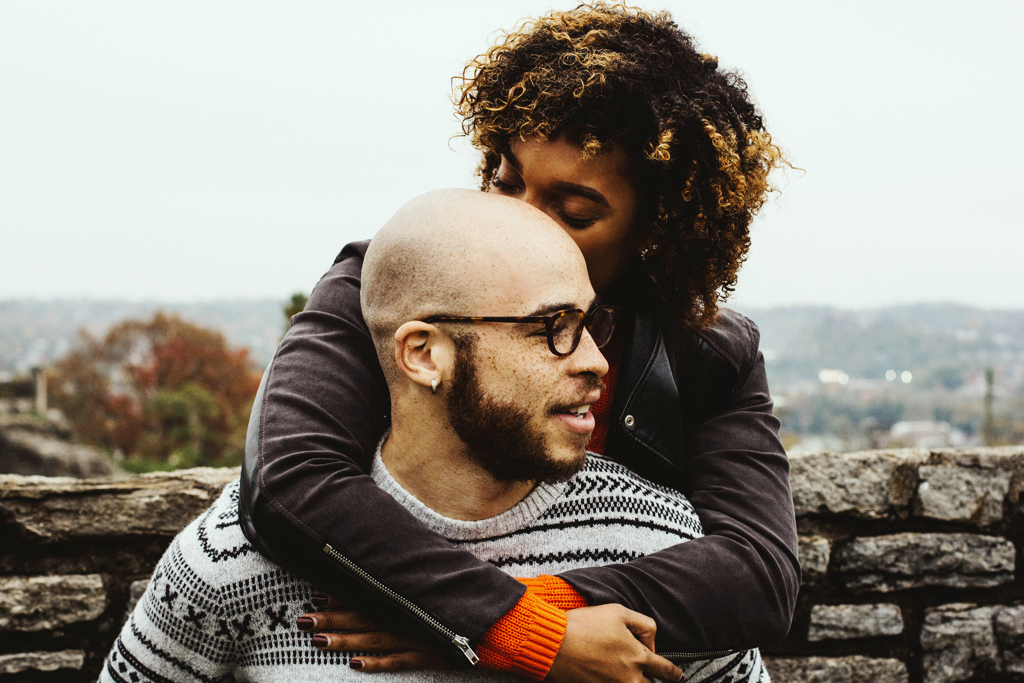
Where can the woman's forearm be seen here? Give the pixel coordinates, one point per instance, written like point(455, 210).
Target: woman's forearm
point(736, 587)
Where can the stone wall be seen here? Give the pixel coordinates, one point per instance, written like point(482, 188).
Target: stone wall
point(75, 553)
point(909, 567)
point(909, 561)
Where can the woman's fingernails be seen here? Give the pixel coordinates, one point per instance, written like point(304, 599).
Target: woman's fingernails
point(321, 641)
point(356, 664)
point(305, 623)
point(319, 599)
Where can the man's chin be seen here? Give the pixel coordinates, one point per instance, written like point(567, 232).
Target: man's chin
point(564, 468)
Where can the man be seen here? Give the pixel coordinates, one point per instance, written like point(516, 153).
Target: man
point(489, 423)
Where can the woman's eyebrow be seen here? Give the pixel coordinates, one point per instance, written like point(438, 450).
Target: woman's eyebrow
point(511, 159)
point(564, 187)
point(582, 191)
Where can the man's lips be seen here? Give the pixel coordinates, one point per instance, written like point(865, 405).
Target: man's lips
point(577, 417)
point(589, 399)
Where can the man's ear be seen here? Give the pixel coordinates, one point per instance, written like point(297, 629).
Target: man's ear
point(422, 353)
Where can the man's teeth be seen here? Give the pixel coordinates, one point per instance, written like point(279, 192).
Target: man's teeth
point(579, 410)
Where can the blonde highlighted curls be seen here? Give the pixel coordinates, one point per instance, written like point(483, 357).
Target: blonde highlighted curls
point(606, 75)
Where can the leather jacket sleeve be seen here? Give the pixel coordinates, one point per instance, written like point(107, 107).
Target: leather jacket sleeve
point(737, 586)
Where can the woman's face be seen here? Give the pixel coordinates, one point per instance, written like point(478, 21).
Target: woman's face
point(594, 200)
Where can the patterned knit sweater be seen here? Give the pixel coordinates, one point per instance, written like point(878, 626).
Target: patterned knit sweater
point(216, 610)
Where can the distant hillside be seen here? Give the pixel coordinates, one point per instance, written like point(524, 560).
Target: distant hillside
point(39, 332)
point(936, 342)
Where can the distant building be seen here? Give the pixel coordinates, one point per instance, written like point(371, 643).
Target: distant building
point(925, 434)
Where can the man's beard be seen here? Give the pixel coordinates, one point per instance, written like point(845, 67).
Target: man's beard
point(498, 435)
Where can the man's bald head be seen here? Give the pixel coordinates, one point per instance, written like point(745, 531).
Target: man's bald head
point(458, 252)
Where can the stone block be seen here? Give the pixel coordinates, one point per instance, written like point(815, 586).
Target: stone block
point(962, 494)
point(135, 592)
point(45, 509)
point(870, 484)
point(1010, 634)
point(907, 560)
point(855, 669)
point(959, 643)
point(814, 552)
point(42, 603)
point(41, 661)
point(841, 622)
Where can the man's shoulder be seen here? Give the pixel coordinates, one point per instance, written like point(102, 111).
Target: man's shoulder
point(212, 605)
point(211, 568)
point(214, 547)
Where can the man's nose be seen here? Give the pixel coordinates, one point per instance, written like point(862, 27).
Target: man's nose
point(588, 358)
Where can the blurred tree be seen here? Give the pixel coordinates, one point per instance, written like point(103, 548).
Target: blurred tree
point(297, 304)
point(947, 375)
point(886, 412)
point(166, 392)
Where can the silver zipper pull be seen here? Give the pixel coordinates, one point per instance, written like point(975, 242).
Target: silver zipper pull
point(463, 644)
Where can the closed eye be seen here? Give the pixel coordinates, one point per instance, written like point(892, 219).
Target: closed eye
point(577, 223)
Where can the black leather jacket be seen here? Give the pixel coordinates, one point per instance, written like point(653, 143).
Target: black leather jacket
point(691, 410)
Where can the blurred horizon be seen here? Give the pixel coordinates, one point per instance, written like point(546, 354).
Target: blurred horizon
point(842, 379)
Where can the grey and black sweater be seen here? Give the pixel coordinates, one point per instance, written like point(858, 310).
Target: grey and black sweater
point(216, 609)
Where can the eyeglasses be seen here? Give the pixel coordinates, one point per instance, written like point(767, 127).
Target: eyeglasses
point(564, 328)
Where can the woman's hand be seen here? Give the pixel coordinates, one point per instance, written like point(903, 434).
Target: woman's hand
point(399, 653)
point(610, 644)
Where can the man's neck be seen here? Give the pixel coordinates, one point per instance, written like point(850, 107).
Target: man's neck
point(435, 468)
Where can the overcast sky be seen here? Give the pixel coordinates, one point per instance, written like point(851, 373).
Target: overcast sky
point(193, 150)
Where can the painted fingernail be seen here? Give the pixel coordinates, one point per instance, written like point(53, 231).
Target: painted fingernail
point(319, 599)
point(356, 664)
point(321, 641)
point(305, 623)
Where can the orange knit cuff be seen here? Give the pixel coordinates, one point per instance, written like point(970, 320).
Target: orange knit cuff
point(524, 641)
point(554, 591)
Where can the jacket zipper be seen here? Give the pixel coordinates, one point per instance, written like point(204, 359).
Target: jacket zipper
point(694, 656)
point(455, 639)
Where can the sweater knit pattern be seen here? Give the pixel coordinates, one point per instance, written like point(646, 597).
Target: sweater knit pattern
point(216, 610)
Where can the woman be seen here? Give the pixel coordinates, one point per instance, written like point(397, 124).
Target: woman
point(655, 162)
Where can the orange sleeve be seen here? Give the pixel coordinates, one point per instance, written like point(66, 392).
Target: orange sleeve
point(554, 591)
point(526, 640)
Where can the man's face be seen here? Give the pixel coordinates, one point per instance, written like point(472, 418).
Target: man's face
point(523, 412)
point(502, 436)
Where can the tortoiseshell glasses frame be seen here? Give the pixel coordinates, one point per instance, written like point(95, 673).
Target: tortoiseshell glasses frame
point(564, 328)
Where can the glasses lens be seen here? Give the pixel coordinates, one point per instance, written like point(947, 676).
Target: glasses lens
point(564, 330)
point(601, 325)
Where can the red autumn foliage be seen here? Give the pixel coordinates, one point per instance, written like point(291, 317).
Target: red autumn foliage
point(165, 390)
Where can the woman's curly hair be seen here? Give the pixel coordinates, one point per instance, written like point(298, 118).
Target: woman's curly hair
point(610, 75)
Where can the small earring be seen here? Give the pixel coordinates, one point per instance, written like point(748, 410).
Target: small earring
point(433, 386)
point(643, 254)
